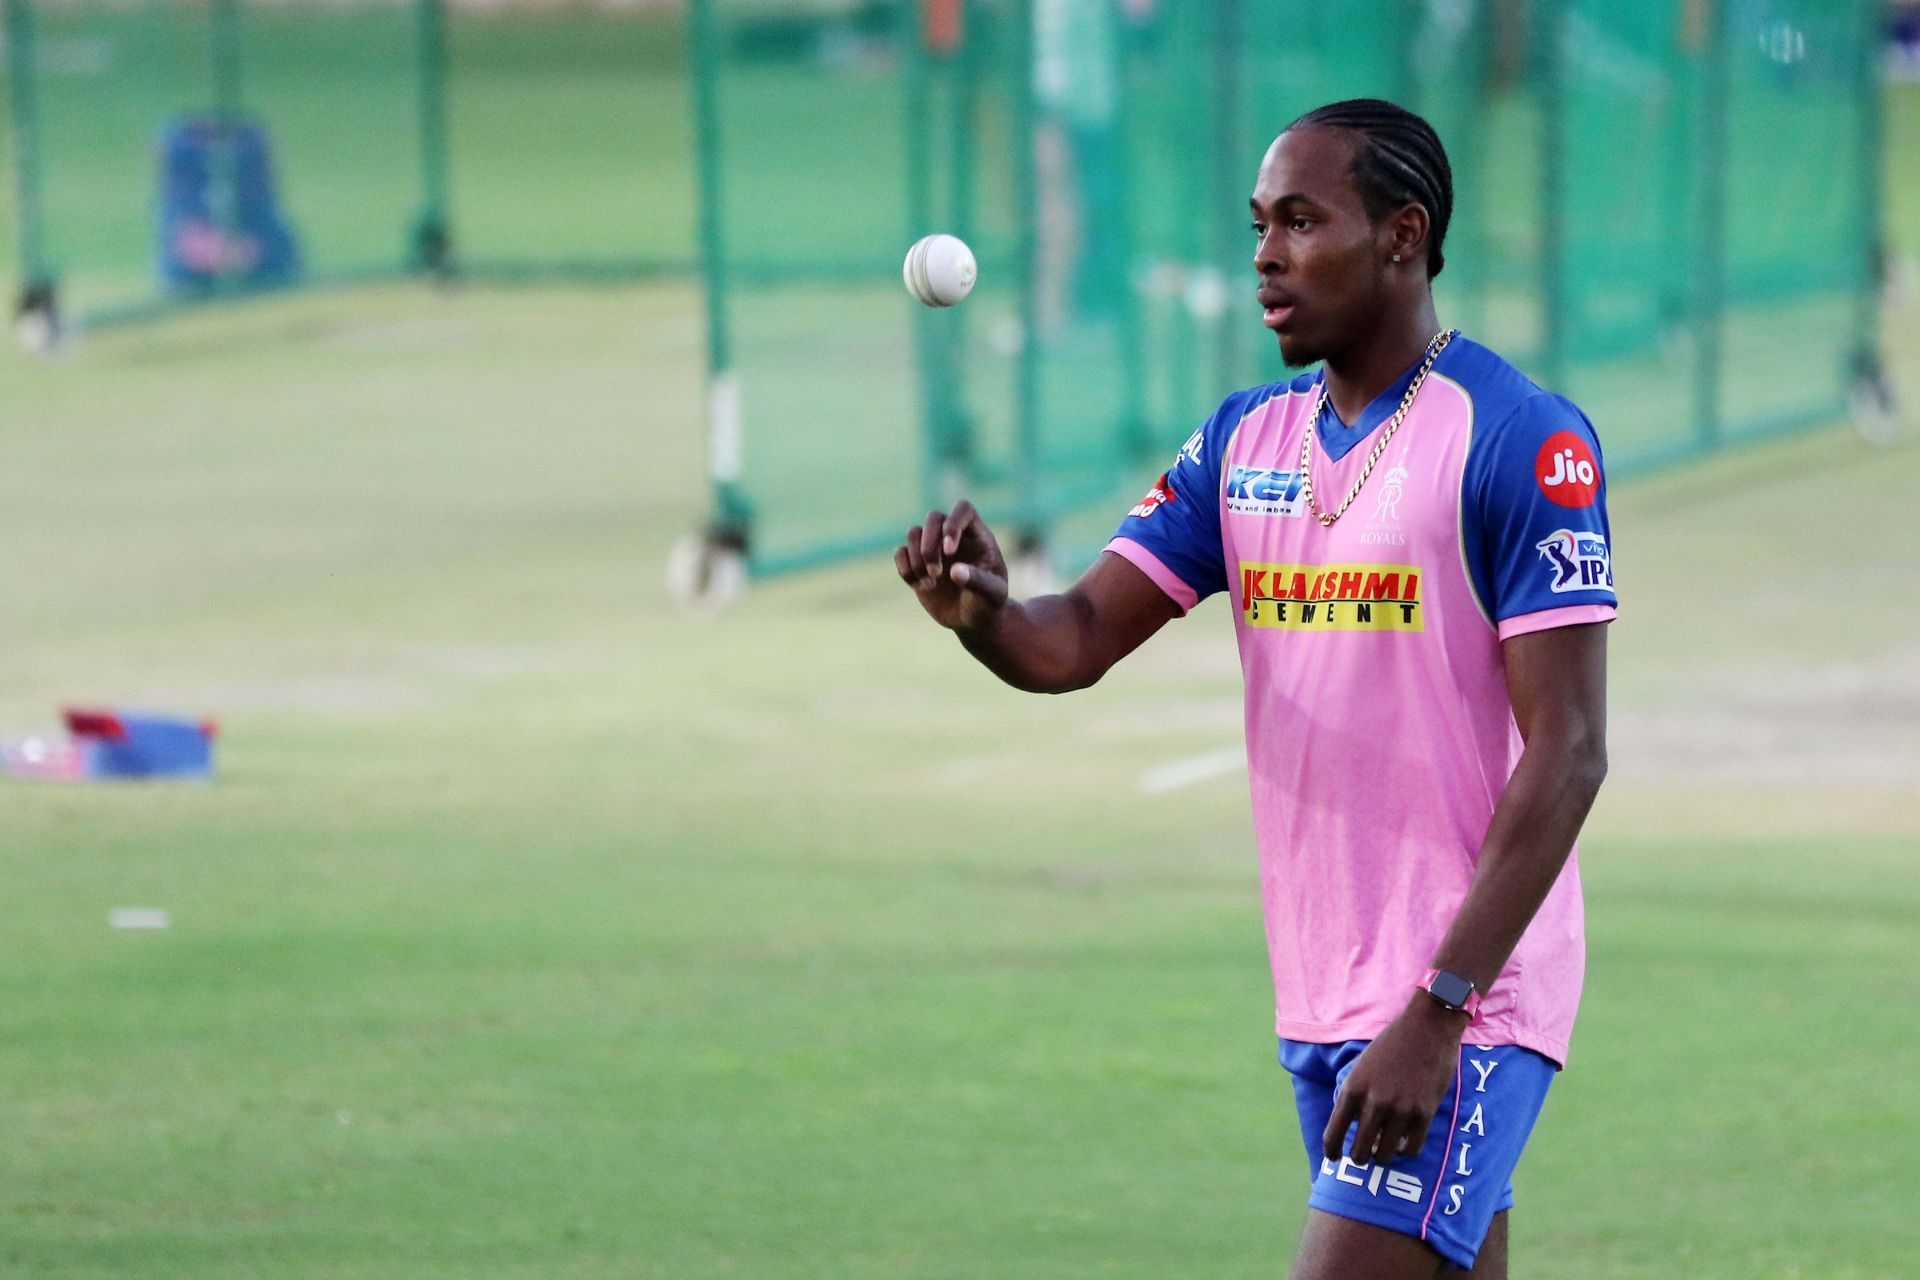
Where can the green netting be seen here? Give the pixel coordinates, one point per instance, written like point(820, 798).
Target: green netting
point(1801, 158)
point(332, 87)
point(813, 199)
point(405, 136)
point(1711, 279)
point(1665, 208)
point(568, 143)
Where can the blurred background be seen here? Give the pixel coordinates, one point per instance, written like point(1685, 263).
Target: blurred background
point(482, 427)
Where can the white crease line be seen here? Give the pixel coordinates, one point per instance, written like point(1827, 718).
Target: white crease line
point(139, 918)
point(1184, 773)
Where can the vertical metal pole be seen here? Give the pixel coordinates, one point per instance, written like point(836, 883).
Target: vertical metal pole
point(963, 108)
point(1135, 435)
point(961, 140)
point(23, 101)
point(1406, 68)
point(1712, 129)
point(1226, 198)
point(929, 344)
point(939, 104)
point(1479, 142)
point(1872, 233)
point(1677, 151)
point(432, 235)
point(1031, 518)
point(732, 514)
point(1470, 144)
point(1551, 59)
point(223, 38)
point(1185, 54)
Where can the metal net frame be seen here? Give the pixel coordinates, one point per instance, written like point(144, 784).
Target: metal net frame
point(1667, 209)
point(402, 138)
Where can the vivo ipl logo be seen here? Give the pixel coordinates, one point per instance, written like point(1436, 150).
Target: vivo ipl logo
point(1263, 491)
point(1579, 561)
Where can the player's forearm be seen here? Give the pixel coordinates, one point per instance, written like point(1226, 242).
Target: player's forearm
point(1526, 847)
point(1042, 645)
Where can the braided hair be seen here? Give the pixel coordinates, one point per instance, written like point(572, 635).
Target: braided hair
point(1399, 161)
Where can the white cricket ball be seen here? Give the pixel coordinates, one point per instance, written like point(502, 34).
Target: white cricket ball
point(939, 270)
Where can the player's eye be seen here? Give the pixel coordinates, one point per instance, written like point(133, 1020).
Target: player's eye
point(1300, 224)
point(1260, 229)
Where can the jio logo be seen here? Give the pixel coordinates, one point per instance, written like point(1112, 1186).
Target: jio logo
point(1567, 471)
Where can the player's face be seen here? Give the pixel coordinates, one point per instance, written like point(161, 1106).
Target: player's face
point(1320, 258)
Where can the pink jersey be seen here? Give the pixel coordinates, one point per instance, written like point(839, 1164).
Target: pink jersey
point(1379, 731)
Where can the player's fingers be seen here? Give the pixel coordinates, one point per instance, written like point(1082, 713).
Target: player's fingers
point(985, 583)
point(920, 579)
point(930, 539)
point(903, 566)
point(1346, 1106)
point(1366, 1136)
point(1392, 1141)
point(1415, 1140)
point(959, 520)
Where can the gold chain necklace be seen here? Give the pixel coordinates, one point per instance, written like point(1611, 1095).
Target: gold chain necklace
point(1434, 348)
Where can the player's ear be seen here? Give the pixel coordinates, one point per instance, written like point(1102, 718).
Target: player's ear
point(1406, 233)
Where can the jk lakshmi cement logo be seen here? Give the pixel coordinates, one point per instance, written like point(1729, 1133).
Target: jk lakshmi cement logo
point(1331, 597)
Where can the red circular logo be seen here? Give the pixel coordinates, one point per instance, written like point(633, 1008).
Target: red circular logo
point(1566, 470)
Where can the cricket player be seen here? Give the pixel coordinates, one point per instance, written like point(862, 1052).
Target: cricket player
point(1413, 538)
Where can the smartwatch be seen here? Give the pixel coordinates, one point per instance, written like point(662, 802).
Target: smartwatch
point(1453, 991)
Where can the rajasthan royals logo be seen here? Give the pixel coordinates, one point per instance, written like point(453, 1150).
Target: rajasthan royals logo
point(1388, 508)
point(1578, 561)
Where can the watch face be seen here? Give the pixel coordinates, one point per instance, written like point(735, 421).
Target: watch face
point(1451, 989)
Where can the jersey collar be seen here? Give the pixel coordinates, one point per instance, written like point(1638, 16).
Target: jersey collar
point(1336, 437)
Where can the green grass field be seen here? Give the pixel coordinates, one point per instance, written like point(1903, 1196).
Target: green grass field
point(534, 929)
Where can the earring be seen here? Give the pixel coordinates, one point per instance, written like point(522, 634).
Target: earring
point(1396, 257)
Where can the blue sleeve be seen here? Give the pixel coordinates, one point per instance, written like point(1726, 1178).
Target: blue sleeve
point(1178, 522)
point(1534, 517)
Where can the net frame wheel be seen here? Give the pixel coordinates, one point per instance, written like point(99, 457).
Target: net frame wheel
point(1030, 569)
point(706, 572)
point(1873, 402)
point(37, 323)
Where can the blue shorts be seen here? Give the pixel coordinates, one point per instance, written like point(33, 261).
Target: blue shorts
point(1448, 1194)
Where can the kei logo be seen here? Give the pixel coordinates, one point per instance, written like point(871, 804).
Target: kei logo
point(1566, 471)
point(1263, 491)
point(1158, 496)
point(1577, 560)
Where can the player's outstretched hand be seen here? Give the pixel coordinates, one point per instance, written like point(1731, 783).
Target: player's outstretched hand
point(954, 565)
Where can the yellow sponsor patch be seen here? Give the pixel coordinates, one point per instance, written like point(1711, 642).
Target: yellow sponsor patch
point(1331, 597)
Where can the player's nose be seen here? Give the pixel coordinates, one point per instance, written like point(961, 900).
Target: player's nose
point(1267, 255)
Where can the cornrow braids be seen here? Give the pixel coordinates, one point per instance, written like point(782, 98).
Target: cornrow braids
point(1400, 161)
